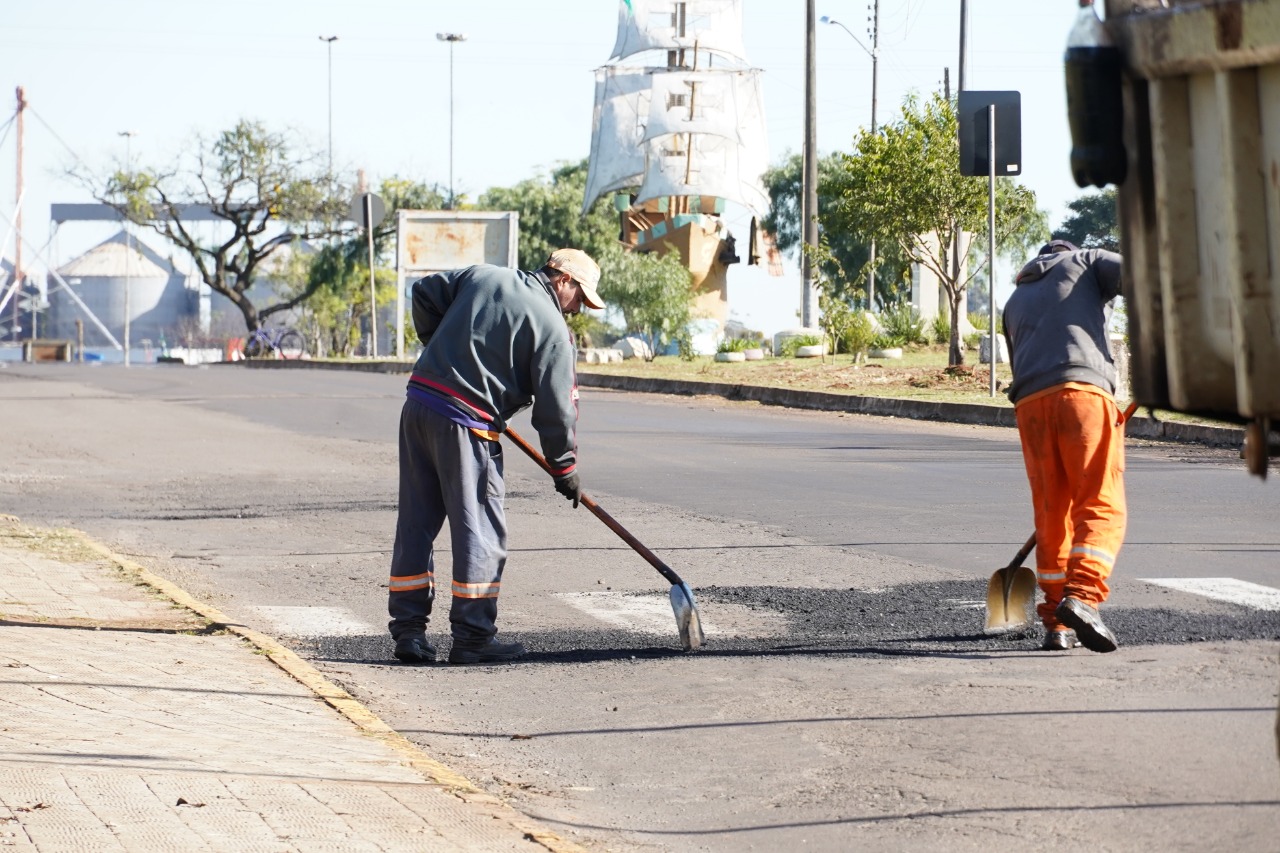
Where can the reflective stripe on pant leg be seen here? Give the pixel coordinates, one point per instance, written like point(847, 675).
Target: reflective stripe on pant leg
point(411, 589)
point(473, 495)
point(1094, 450)
point(1046, 476)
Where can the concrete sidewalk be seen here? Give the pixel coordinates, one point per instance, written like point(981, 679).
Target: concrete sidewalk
point(133, 718)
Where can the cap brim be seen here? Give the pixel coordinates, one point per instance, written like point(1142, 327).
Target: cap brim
point(590, 297)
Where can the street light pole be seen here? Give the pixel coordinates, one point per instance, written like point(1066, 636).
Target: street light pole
point(452, 39)
point(330, 40)
point(128, 244)
point(874, 53)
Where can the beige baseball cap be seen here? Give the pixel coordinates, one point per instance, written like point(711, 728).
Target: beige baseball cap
point(586, 272)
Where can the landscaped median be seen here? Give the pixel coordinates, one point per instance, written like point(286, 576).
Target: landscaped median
point(921, 388)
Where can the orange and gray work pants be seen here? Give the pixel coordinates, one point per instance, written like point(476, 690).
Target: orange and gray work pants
point(1073, 446)
point(447, 472)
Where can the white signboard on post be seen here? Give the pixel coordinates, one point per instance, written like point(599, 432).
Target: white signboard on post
point(429, 241)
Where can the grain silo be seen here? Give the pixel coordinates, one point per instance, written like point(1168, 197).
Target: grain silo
point(160, 302)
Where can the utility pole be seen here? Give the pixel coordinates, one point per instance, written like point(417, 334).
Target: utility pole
point(330, 40)
point(957, 234)
point(875, 85)
point(809, 208)
point(128, 245)
point(452, 39)
point(874, 53)
point(17, 220)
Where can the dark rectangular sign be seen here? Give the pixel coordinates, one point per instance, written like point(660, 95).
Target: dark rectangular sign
point(975, 133)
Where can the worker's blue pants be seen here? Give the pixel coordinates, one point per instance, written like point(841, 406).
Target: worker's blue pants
point(447, 472)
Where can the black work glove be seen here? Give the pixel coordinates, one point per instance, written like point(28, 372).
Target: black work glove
point(570, 487)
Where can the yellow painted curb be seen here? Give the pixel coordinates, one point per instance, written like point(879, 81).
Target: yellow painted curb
point(340, 700)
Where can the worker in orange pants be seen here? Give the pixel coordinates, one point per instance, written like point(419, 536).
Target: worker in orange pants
point(1056, 323)
point(1073, 446)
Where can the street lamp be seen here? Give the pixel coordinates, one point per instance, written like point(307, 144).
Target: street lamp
point(874, 53)
point(128, 242)
point(330, 40)
point(452, 39)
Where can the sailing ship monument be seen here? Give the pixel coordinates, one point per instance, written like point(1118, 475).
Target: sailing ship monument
point(678, 132)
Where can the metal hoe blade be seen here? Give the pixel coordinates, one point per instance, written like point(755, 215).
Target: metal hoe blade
point(687, 620)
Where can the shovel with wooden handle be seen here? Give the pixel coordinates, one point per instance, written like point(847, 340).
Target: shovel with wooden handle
point(1012, 590)
point(688, 623)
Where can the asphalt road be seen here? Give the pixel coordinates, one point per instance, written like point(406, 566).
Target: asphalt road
point(847, 698)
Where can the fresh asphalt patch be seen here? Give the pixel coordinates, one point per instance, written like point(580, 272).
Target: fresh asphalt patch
point(921, 619)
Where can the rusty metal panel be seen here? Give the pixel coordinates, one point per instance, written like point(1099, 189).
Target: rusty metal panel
point(433, 240)
point(1200, 213)
point(430, 241)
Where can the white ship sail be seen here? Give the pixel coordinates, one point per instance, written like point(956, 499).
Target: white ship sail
point(725, 161)
point(618, 126)
point(695, 128)
point(712, 25)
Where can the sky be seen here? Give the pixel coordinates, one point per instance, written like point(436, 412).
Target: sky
point(522, 89)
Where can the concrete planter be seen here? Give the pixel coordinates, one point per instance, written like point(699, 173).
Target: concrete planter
point(731, 356)
point(891, 352)
point(812, 351)
point(754, 354)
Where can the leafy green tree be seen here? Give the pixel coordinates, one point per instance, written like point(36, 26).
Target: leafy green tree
point(654, 294)
point(336, 277)
point(842, 260)
point(903, 186)
point(264, 192)
point(549, 215)
point(1093, 222)
point(1028, 230)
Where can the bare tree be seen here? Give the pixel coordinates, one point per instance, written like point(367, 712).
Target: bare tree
point(262, 194)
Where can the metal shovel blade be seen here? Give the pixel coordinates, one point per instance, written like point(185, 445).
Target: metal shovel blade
point(1010, 594)
point(687, 619)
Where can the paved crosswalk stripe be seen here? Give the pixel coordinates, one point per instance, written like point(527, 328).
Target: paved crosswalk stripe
point(650, 614)
point(316, 621)
point(1230, 590)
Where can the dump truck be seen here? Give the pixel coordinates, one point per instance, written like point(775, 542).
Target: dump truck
point(1199, 207)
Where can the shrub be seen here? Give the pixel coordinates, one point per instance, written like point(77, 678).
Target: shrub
point(735, 345)
point(941, 329)
point(902, 324)
point(858, 333)
point(982, 322)
point(790, 345)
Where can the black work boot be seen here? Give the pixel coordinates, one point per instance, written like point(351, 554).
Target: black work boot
point(491, 652)
point(1060, 640)
point(414, 648)
point(1088, 625)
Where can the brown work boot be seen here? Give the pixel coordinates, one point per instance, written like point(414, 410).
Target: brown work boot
point(1060, 640)
point(1088, 625)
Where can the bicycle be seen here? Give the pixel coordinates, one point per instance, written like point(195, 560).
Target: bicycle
point(274, 342)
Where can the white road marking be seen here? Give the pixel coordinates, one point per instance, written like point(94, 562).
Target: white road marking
point(1230, 590)
point(316, 621)
point(963, 604)
point(649, 614)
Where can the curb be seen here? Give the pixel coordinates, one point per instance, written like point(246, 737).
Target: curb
point(380, 366)
point(890, 407)
point(340, 700)
point(931, 410)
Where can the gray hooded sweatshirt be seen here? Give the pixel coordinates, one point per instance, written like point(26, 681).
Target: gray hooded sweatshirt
point(1057, 321)
point(495, 341)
